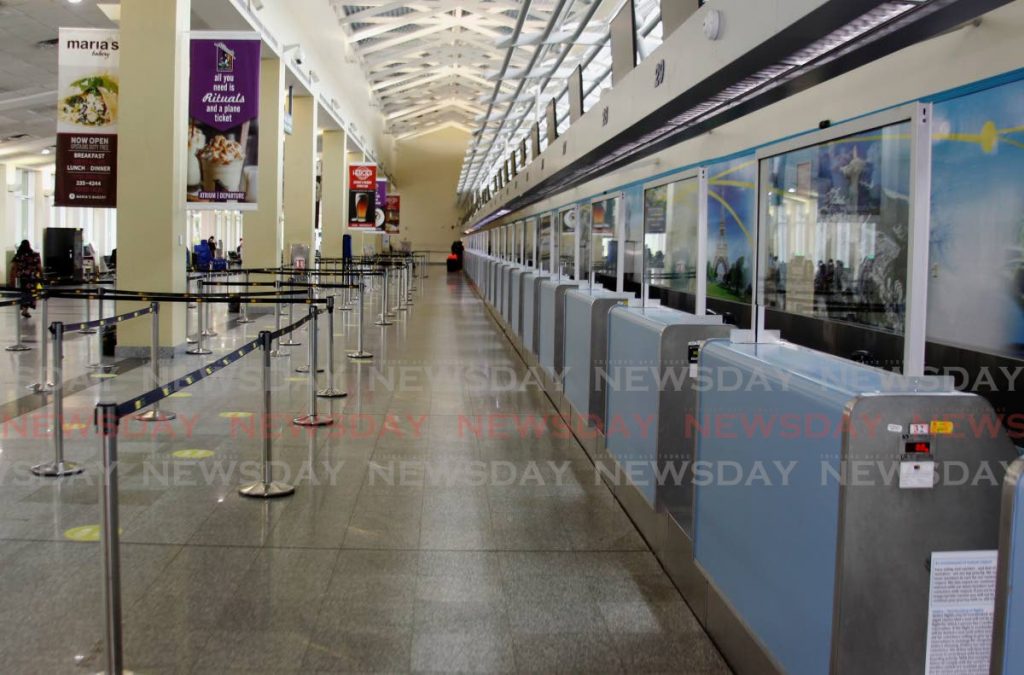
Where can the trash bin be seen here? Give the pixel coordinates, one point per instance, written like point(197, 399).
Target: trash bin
point(109, 340)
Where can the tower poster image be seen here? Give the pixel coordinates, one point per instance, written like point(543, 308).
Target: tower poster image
point(224, 101)
point(976, 253)
point(392, 211)
point(362, 196)
point(732, 204)
point(87, 101)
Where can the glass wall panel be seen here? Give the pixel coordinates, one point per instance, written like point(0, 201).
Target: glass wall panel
point(531, 242)
point(567, 243)
point(836, 225)
point(604, 251)
point(544, 256)
point(732, 221)
point(585, 217)
point(634, 258)
point(671, 220)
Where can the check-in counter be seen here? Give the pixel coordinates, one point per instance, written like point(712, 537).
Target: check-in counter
point(515, 299)
point(585, 353)
point(649, 392)
point(1007, 642)
point(551, 320)
point(531, 331)
point(829, 501)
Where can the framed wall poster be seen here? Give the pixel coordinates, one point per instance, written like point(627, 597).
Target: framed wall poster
point(223, 133)
point(392, 213)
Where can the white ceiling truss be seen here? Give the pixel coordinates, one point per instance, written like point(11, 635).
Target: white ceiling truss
point(480, 65)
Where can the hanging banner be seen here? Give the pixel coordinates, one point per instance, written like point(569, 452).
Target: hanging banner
point(87, 86)
point(392, 207)
point(362, 196)
point(223, 109)
point(381, 201)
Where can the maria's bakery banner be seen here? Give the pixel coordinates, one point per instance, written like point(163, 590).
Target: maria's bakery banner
point(223, 133)
point(392, 208)
point(87, 84)
point(362, 196)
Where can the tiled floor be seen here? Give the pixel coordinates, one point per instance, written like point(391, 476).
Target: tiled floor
point(419, 537)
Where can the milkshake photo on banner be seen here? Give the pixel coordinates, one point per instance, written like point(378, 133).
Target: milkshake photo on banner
point(223, 134)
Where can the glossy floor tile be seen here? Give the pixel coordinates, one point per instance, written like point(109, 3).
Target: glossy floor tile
point(433, 527)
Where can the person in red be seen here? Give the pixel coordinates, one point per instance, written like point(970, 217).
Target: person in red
point(26, 271)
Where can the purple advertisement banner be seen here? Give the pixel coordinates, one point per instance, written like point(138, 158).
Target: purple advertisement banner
point(382, 197)
point(224, 94)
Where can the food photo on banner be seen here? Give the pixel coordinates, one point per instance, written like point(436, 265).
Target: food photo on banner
point(362, 196)
point(392, 210)
point(223, 133)
point(87, 102)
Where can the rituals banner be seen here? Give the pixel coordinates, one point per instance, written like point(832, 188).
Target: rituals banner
point(224, 100)
point(88, 88)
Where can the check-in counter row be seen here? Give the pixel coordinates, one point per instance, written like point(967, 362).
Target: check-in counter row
point(818, 515)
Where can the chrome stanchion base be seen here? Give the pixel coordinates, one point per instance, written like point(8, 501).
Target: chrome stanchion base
point(245, 320)
point(331, 392)
point(266, 490)
point(87, 331)
point(402, 309)
point(313, 421)
point(290, 343)
point(278, 353)
point(57, 469)
point(102, 367)
point(210, 333)
point(190, 340)
point(383, 322)
point(40, 388)
point(305, 369)
point(345, 308)
point(360, 355)
point(18, 347)
point(156, 416)
point(199, 352)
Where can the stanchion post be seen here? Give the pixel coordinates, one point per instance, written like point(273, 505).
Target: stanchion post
point(330, 391)
point(291, 340)
point(313, 419)
point(43, 385)
point(266, 487)
point(98, 364)
point(155, 414)
point(189, 306)
point(110, 536)
point(200, 349)
point(58, 467)
point(277, 351)
point(245, 313)
point(87, 330)
point(359, 353)
point(383, 320)
point(18, 345)
point(207, 325)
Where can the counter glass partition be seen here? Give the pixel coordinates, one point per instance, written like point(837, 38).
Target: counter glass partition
point(531, 242)
point(671, 222)
point(566, 243)
point(603, 258)
point(583, 259)
point(544, 256)
point(837, 218)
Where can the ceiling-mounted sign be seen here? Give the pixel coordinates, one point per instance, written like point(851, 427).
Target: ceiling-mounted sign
point(380, 202)
point(87, 101)
point(392, 211)
point(223, 134)
point(362, 196)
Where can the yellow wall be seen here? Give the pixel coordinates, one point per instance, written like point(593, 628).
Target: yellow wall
point(427, 173)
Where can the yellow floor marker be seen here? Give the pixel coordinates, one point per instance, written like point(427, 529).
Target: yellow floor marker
point(296, 378)
point(85, 533)
point(74, 426)
point(102, 376)
point(192, 453)
point(180, 394)
point(235, 415)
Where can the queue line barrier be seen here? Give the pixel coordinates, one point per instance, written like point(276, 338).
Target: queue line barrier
point(107, 419)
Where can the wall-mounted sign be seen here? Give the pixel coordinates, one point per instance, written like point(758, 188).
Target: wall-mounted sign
point(392, 210)
point(362, 196)
point(87, 100)
point(223, 133)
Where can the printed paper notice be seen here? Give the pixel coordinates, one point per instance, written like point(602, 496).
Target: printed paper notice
point(961, 602)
